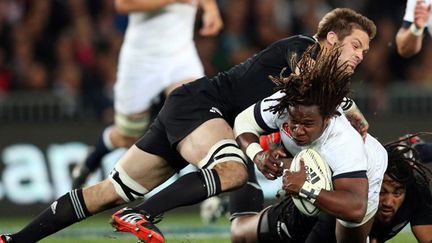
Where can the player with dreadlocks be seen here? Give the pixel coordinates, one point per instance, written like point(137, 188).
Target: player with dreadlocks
point(405, 195)
point(305, 111)
point(405, 198)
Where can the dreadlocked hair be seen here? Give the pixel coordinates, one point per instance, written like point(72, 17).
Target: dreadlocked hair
point(320, 81)
point(405, 167)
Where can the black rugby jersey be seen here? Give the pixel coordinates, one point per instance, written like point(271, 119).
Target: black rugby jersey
point(415, 212)
point(248, 82)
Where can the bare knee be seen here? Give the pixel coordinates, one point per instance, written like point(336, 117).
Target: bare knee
point(244, 228)
point(101, 196)
point(120, 140)
point(232, 175)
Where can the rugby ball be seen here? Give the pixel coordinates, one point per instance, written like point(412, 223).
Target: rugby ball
point(318, 173)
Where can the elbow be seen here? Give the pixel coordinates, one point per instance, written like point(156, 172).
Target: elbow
point(357, 213)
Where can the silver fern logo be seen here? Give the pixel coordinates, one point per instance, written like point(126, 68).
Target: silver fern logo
point(54, 207)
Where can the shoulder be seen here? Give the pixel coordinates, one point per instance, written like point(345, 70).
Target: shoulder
point(296, 40)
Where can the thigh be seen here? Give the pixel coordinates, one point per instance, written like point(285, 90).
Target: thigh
point(147, 169)
point(245, 228)
point(352, 235)
point(285, 223)
point(195, 146)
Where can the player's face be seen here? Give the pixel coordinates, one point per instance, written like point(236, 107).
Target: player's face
point(305, 124)
point(353, 48)
point(392, 196)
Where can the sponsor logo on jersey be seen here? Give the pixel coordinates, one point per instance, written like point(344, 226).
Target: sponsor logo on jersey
point(281, 227)
point(215, 110)
point(398, 227)
point(286, 129)
point(54, 207)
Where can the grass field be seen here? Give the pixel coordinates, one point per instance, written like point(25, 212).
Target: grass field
point(178, 228)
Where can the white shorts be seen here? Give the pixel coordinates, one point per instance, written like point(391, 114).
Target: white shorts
point(141, 78)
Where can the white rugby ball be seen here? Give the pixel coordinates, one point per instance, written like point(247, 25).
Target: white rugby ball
point(318, 173)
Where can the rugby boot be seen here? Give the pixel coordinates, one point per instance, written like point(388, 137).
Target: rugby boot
point(5, 238)
point(137, 223)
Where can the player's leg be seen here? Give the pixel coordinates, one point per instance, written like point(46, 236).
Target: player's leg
point(126, 130)
point(134, 95)
point(246, 204)
point(346, 232)
point(281, 222)
point(245, 228)
point(134, 175)
point(221, 165)
point(249, 199)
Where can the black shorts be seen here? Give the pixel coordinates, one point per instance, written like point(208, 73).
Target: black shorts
point(182, 113)
point(283, 222)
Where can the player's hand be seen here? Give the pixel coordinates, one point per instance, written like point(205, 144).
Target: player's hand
point(270, 162)
point(358, 121)
point(293, 181)
point(212, 21)
point(422, 12)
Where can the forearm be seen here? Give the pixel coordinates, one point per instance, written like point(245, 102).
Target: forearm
point(128, 6)
point(208, 5)
point(343, 205)
point(408, 44)
point(348, 200)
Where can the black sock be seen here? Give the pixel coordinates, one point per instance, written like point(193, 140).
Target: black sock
point(189, 189)
point(68, 209)
point(248, 198)
point(94, 159)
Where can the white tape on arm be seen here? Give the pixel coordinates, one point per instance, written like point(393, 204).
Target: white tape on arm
point(309, 192)
point(416, 31)
point(245, 123)
point(253, 149)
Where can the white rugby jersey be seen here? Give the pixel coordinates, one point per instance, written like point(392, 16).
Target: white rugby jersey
point(340, 145)
point(409, 13)
point(161, 32)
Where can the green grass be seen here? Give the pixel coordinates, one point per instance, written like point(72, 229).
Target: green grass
point(177, 227)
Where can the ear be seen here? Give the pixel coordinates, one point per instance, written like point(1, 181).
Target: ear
point(332, 38)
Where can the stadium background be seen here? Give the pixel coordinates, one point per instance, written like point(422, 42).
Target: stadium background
point(58, 62)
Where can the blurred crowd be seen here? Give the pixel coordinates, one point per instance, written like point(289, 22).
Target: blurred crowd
point(70, 47)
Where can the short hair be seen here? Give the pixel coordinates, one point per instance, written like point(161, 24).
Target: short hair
point(406, 168)
point(321, 81)
point(342, 21)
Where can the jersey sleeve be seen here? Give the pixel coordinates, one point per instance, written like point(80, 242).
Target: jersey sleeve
point(265, 118)
point(422, 214)
point(345, 152)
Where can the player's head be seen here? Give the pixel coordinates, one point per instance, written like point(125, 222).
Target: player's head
point(406, 180)
point(349, 29)
point(312, 94)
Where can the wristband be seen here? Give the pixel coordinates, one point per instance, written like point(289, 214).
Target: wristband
point(416, 31)
point(253, 149)
point(348, 105)
point(309, 192)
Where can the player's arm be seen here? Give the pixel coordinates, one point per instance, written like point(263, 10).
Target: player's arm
point(409, 39)
point(247, 131)
point(348, 200)
point(355, 116)
point(128, 6)
point(423, 233)
point(211, 19)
